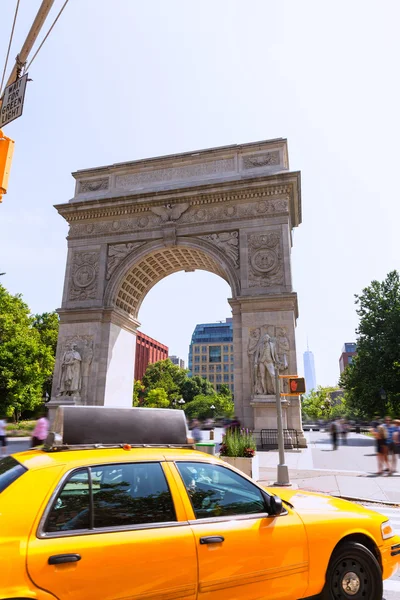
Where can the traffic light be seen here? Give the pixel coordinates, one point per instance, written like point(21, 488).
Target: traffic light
point(6, 154)
point(297, 385)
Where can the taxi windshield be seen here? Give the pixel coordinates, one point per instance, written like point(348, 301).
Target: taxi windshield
point(10, 470)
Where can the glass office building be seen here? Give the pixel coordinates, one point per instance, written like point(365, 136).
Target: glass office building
point(211, 353)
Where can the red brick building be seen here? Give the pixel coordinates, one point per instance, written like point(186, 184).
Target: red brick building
point(147, 351)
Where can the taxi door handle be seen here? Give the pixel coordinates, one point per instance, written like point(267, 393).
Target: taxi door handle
point(212, 539)
point(59, 559)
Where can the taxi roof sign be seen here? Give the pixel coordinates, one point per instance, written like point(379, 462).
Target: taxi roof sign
point(100, 426)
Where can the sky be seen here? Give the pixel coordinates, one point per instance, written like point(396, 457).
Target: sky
point(124, 80)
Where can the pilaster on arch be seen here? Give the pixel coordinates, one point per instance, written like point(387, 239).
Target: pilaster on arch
point(150, 262)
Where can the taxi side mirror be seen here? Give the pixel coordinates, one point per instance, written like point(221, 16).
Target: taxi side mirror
point(275, 506)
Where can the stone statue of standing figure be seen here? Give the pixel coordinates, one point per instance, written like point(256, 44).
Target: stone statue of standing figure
point(266, 352)
point(70, 377)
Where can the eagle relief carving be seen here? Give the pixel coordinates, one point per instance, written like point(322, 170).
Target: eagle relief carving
point(170, 212)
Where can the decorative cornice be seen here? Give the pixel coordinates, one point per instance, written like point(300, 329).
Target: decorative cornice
point(278, 185)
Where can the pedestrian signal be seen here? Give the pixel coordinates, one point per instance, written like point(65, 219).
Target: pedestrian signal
point(297, 385)
point(6, 153)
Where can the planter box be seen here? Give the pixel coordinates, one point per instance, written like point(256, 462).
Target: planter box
point(248, 466)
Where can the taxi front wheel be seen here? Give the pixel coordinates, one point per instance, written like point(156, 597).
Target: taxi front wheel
point(353, 574)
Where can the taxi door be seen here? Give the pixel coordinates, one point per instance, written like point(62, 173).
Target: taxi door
point(113, 532)
point(243, 553)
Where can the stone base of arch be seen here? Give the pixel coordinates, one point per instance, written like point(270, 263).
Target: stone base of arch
point(270, 312)
point(105, 340)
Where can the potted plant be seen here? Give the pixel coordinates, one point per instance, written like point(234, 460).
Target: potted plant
point(238, 448)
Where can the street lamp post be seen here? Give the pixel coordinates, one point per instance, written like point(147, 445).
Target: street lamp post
point(283, 472)
point(181, 402)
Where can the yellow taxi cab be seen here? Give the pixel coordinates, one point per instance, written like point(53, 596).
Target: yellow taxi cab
point(149, 518)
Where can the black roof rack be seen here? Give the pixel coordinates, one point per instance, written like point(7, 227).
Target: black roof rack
point(90, 427)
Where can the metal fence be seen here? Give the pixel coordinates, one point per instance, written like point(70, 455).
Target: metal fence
point(269, 438)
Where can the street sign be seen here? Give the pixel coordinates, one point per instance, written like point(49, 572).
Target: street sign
point(13, 101)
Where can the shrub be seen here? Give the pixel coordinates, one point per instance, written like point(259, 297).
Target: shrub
point(238, 443)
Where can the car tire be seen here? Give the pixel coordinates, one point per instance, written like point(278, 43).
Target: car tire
point(353, 574)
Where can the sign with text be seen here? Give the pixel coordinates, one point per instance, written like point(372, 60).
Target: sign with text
point(13, 101)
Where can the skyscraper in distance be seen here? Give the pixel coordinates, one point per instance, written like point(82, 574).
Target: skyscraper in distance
point(309, 370)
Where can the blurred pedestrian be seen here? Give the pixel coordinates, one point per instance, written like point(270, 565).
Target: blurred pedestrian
point(382, 455)
point(234, 424)
point(196, 431)
point(41, 430)
point(3, 437)
point(344, 431)
point(396, 440)
point(334, 434)
point(391, 430)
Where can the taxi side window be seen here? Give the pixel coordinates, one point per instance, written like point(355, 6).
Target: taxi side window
point(131, 494)
point(70, 511)
point(216, 491)
point(112, 496)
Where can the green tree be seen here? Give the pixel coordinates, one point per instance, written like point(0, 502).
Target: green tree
point(138, 393)
point(26, 362)
point(156, 398)
point(372, 381)
point(318, 405)
point(195, 386)
point(47, 325)
point(201, 407)
point(164, 374)
point(224, 390)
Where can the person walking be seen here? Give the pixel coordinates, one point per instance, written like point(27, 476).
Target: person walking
point(382, 455)
point(40, 432)
point(334, 434)
point(391, 429)
point(396, 442)
point(3, 437)
point(344, 431)
point(196, 431)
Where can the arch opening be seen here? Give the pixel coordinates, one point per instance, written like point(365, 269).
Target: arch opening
point(141, 273)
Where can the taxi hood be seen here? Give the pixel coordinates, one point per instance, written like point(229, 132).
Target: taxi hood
point(303, 501)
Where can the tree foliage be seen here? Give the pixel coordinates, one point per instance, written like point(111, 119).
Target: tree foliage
point(195, 386)
point(197, 392)
point(200, 407)
point(156, 398)
point(372, 381)
point(26, 357)
point(318, 404)
point(164, 374)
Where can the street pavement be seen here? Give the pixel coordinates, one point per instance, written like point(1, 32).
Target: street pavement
point(18, 444)
point(349, 471)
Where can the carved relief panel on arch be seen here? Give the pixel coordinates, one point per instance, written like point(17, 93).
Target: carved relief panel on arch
point(265, 262)
point(84, 276)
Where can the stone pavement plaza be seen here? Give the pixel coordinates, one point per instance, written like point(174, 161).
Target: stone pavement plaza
point(349, 471)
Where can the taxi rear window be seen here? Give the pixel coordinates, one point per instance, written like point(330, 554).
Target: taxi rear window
point(10, 470)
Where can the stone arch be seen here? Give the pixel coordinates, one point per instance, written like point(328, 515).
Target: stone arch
point(229, 211)
point(153, 261)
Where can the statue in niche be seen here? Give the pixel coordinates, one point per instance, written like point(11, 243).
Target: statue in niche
point(70, 377)
point(267, 350)
point(265, 360)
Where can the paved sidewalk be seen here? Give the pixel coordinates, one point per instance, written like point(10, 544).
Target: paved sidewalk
point(349, 471)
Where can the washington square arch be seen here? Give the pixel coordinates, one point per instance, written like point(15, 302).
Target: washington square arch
point(229, 211)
